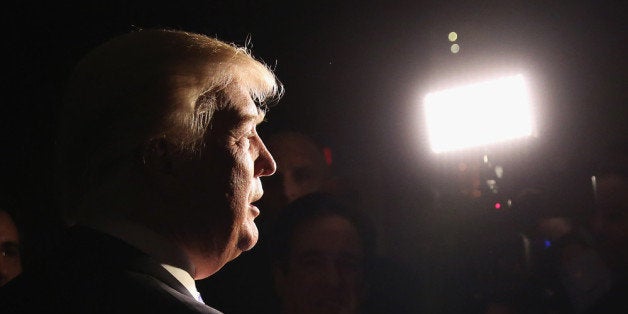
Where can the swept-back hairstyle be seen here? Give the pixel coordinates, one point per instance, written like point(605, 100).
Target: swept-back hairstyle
point(147, 85)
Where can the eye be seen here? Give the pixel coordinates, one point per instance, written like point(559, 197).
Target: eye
point(243, 135)
point(10, 251)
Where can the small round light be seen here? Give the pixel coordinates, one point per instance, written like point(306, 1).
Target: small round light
point(452, 36)
point(455, 48)
point(328, 155)
point(498, 206)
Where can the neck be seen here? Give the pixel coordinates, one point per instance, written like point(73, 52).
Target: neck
point(129, 205)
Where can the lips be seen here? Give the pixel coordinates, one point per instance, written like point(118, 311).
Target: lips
point(256, 197)
point(254, 210)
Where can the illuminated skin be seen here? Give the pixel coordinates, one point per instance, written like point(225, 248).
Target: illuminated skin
point(223, 184)
point(324, 272)
point(10, 265)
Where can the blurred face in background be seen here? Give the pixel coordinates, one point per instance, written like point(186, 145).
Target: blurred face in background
point(10, 264)
point(301, 169)
point(325, 268)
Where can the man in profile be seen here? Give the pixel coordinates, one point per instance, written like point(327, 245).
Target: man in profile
point(159, 167)
point(302, 168)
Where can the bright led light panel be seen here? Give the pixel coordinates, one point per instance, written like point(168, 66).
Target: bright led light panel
point(478, 114)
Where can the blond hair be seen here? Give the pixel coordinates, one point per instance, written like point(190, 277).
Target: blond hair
point(145, 85)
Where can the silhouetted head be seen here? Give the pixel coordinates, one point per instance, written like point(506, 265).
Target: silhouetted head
point(320, 250)
point(159, 128)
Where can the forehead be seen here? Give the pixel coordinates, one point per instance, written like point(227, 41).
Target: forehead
point(239, 101)
point(237, 109)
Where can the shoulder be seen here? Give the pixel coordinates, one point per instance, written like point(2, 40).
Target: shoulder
point(97, 274)
point(127, 292)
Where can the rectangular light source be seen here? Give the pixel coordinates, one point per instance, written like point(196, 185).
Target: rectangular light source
point(478, 114)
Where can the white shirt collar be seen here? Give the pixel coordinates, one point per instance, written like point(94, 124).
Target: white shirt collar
point(186, 280)
point(153, 244)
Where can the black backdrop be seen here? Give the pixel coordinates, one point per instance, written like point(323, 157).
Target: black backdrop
point(354, 75)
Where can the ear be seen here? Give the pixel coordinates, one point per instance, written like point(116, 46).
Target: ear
point(156, 156)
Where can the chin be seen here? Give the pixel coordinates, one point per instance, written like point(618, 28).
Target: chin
point(248, 237)
point(247, 243)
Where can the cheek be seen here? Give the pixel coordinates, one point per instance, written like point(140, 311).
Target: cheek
point(11, 265)
point(239, 179)
point(239, 171)
point(16, 266)
point(227, 168)
point(243, 167)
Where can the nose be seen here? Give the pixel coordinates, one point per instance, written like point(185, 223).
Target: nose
point(265, 164)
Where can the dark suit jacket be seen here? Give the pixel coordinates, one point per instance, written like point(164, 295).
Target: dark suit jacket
point(91, 272)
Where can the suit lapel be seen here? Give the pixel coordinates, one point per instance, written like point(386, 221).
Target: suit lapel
point(118, 254)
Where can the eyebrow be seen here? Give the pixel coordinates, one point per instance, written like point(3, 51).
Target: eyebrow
point(257, 118)
point(10, 244)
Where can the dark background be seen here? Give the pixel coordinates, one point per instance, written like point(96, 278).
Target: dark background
point(355, 74)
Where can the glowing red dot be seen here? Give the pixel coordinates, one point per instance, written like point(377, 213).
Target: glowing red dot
point(498, 205)
point(327, 153)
